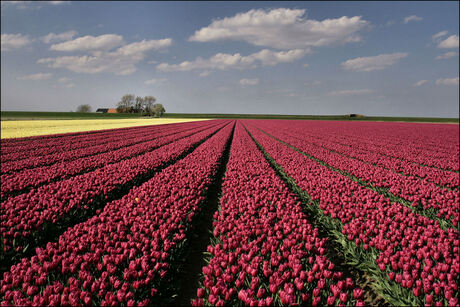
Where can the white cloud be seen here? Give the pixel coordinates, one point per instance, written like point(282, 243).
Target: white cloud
point(447, 81)
point(282, 28)
point(306, 65)
point(420, 83)
point(64, 80)
point(225, 61)
point(447, 55)
point(16, 4)
point(350, 92)
point(84, 64)
point(39, 76)
point(52, 38)
point(219, 61)
point(28, 4)
point(121, 61)
point(155, 81)
point(58, 2)
point(371, 63)
point(152, 62)
point(286, 92)
point(102, 42)
point(450, 42)
point(412, 18)
point(439, 35)
point(143, 46)
point(14, 41)
point(205, 73)
point(271, 58)
point(249, 81)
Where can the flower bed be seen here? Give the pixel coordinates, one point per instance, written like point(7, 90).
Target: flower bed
point(123, 255)
point(26, 218)
point(265, 251)
point(401, 239)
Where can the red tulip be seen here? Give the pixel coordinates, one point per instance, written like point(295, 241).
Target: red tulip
point(200, 292)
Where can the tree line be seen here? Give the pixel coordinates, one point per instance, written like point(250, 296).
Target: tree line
point(131, 104)
point(143, 105)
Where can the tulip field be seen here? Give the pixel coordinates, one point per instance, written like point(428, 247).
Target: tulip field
point(40, 124)
point(232, 212)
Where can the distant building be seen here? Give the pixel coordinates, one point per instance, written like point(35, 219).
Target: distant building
point(355, 115)
point(106, 110)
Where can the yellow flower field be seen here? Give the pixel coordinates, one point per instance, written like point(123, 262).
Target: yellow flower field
point(24, 128)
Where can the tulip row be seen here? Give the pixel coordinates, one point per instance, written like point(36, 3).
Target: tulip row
point(16, 183)
point(123, 255)
point(440, 177)
point(418, 193)
point(28, 147)
point(76, 137)
point(10, 142)
point(68, 152)
point(113, 143)
point(28, 218)
point(266, 252)
point(29, 155)
point(432, 145)
point(359, 149)
point(414, 255)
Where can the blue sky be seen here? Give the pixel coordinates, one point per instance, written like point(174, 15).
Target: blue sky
point(373, 58)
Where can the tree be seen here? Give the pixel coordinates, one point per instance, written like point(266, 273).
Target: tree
point(125, 105)
point(84, 108)
point(139, 104)
point(148, 104)
point(158, 110)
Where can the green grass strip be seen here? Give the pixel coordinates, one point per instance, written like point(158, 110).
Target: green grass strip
point(16, 115)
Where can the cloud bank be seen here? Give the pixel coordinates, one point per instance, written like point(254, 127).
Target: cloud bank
point(447, 55)
point(14, 41)
point(420, 83)
point(224, 61)
point(447, 81)
point(121, 61)
point(450, 42)
point(34, 77)
point(371, 63)
point(52, 38)
point(85, 43)
point(350, 92)
point(412, 18)
point(282, 28)
point(249, 81)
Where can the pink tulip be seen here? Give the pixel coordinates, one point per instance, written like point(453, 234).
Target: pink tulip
point(357, 293)
point(200, 293)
